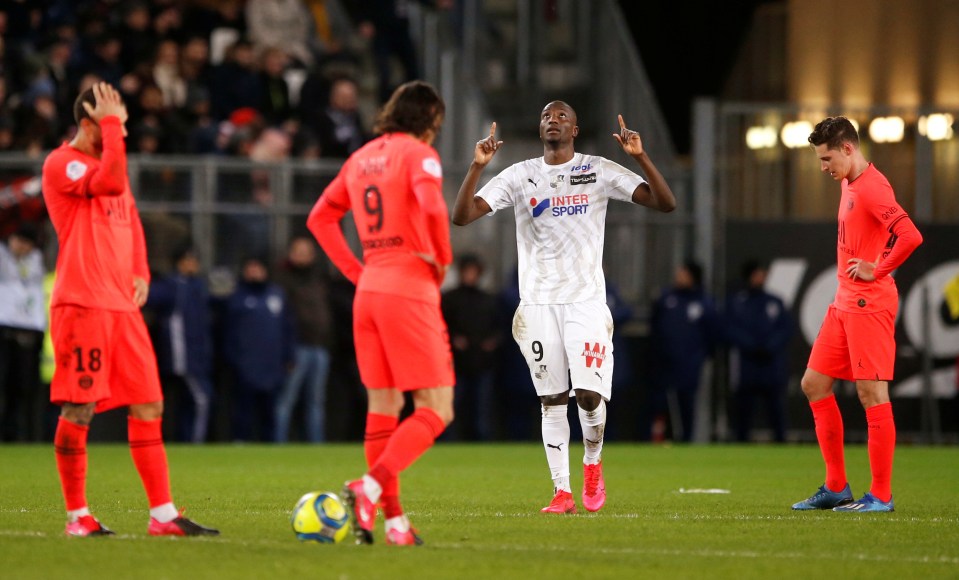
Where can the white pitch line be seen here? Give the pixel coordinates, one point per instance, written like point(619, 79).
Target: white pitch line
point(633, 551)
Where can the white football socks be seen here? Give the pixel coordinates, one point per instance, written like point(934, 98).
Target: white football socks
point(164, 513)
point(74, 515)
point(399, 523)
point(556, 443)
point(372, 488)
point(594, 425)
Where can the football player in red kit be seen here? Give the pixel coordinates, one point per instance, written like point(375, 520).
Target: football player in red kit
point(393, 185)
point(857, 340)
point(104, 357)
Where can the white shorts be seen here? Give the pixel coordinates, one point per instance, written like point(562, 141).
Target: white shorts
point(563, 342)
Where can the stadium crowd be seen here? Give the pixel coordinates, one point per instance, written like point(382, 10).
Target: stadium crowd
point(203, 76)
point(267, 356)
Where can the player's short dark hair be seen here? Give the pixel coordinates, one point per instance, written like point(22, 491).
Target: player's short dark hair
point(750, 266)
point(834, 131)
point(79, 111)
point(467, 260)
point(413, 108)
point(695, 272)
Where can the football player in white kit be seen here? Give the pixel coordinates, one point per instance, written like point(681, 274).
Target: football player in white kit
point(562, 325)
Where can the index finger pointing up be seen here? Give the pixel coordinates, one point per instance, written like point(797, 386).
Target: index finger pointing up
point(492, 130)
point(622, 123)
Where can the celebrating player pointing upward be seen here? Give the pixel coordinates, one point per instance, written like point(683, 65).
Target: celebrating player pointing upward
point(562, 325)
point(857, 339)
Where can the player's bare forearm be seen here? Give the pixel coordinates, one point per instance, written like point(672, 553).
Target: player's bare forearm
point(468, 208)
point(658, 195)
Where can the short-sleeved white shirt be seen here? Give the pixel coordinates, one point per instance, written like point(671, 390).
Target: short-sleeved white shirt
point(561, 223)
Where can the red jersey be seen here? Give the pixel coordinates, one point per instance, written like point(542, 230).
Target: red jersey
point(874, 228)
point(95, 216)
point(394, 185)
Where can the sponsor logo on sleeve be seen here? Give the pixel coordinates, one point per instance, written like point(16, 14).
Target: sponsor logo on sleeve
point(76, 170)
point(432, 166)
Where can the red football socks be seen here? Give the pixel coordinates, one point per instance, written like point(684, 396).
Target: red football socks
point(149, 456)
point(882, 445)
point(70, 444)
point(379, 429)
point(829, 432)
point(410, 440)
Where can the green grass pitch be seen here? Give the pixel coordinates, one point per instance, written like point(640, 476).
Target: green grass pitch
point(477, 507)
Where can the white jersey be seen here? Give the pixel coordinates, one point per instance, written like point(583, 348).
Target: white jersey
point(561, 223)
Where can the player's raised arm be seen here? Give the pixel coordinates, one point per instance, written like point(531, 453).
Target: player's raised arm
point(656, 193)
point(110, 114)
point(468, 208)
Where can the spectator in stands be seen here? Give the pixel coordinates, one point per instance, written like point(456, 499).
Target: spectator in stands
point(334, 32)
point(259, 348)
point(471, 316)
point(184, 346)
point(136, 34)
point(338, 125)
point(306, 288)
point(194, 65)
point(23, 321)
point(683, 334)
point(236, 82)
point(283, 24)
point(387, 24)
point(166, 73)
point(105, 61)
point(275, 103)
point(38, 124)
point(758, 328)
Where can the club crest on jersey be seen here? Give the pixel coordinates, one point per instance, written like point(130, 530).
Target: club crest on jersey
point(433, 167)
point(557, 181)
point(76, 170)
point(596, 353)
point(542, 374)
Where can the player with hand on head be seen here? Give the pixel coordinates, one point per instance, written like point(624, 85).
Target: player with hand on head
point(393, 184)
point(103, 352)
point(857, 341)
point(563, 325)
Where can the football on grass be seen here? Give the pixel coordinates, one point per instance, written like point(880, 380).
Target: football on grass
point(321, 517)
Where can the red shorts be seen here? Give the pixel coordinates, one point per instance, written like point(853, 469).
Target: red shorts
point(854, 347)
point(103, 357)
point(401, 343)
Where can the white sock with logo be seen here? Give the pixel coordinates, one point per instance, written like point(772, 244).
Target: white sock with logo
point(594, 425)
point(399, 523)
point(74, 515)
point(164, 513)
point(372, 488)
point(556, 443)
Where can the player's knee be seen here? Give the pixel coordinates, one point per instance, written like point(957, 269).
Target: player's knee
point(588, 400)
point(812, 388)
point(147, 411)
point(554, 400)
point(78, 414)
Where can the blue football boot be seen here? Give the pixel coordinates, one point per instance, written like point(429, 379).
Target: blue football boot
point(868, 503)
point(825, 499)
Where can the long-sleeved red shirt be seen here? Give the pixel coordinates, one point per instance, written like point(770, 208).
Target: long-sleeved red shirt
point(393, 185)
point(875, 228)
point(95, 216)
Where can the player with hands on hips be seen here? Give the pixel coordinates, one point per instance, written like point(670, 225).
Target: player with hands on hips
point(857, 340)
point(563, 325)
